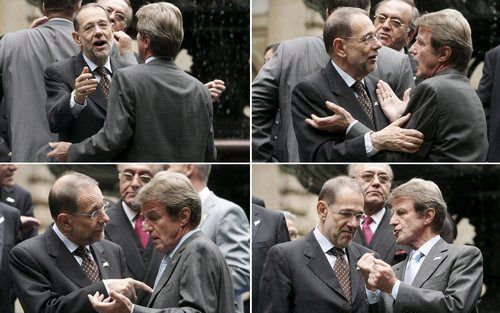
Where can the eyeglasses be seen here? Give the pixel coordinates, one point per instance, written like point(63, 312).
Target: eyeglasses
point(119, 17)
point(368, 177)
point(393, 21)
point(97, 213)
point(350, 214)
point(366, 39)
point(129, 177)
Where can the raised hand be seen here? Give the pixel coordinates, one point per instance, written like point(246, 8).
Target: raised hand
point(335, 123)
point(395, 138)
point(216, 87)
point(85, 84)
point(390, 104)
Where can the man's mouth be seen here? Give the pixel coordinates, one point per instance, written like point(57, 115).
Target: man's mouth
point(100, 43)
point(382, 36)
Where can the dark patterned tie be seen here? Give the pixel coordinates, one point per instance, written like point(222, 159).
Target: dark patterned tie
point(104, 82)
point(364, 100)
point(88, 265)
point(341, 269)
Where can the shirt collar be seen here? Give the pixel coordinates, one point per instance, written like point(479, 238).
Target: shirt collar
point(346, 77)
point(324, 243)
point(204, 193)
point(426, 247)
point(68, 243)
point(377, 217)
point(129, 212)
point(151, 58)
point(184, 238)
point(93, 66)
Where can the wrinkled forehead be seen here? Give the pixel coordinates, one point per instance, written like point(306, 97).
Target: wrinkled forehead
point(361, 25)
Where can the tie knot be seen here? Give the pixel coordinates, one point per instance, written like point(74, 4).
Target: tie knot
point(368, 220)
point(337, 252)
point(101, 70)
point(417, 255)
point(138, 219)
point(358, 86)
point(81, 252)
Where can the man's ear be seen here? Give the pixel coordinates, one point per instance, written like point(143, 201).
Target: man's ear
point(429, 216)
point(76, 38)
point(64, 222)
point(185, 216)
point(445, 54)
point(322, 209)
point(339, 47)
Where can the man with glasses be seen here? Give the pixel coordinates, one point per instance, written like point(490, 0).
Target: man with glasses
point(55, 271)
point(125, 226)
point(374, 231)
point(344, 84)
point(317, 272)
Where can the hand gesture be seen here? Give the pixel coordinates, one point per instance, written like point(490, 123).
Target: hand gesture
point(85, 84)
point(390, 104)
point(335, 123)
point(216, 87)
point(395, 138)
point(60, 151)
point(115, 303)
point(124, 42)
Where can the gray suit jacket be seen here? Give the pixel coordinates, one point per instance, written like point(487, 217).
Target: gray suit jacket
point(60, 82)
point(156, 112)
point(226, 224)
point(273, 136)
point(298, 278)
point(449, 280)
point(384, 242)
point(24, 55)
point(19, 198)
point(49, 279)
point(196, 280)
point(10, 226)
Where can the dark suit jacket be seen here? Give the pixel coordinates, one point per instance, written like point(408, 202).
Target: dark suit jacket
point(156, 112)
point(489, 93)
point(10, 226)
point(49, 279)
point(268, 228)
point(298, 278)
point(449, 280)
point(19, 198)
point(60, 82)
point(384, 242)
point(449, 113)
point(120, 231)
point(309, 97)
point(196, 280)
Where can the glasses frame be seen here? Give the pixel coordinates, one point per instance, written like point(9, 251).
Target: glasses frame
point(129, 177)
point(389, 178)
point(97, 213)
point(365, 39)
point(349, 215)
point(391, 20)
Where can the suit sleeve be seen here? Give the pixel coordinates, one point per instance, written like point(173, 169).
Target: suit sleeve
point(35, 292)
point(27, 210)
point(265, 106)
point(282, 235)
point(460, 295)
point(58, 99)
point(233, 240)
point(486, 83)
point(405, 78)
point(275, 288)
point(316, 145)
point(118, 126)
point(211, 152)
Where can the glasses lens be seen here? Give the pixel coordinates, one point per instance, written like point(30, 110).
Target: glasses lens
point(145, 179)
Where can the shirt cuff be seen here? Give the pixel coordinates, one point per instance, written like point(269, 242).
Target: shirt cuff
point(350, 126)
point(372, 296)
point(75, 107)
point(395, 289)
point(370, 150)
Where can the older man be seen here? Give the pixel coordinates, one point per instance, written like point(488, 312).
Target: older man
point(225, 223)
point(436, 276)
point(76, 107)
point(193, 275)
point(125, 227)
point(54, 272)
point(137, 120)
point(317, 272)
point(375, 232)
point(349, 38)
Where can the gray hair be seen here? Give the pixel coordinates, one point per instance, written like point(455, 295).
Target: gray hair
point(87, 6)
point(338, 25)
point(332, 187)
point(353, 169)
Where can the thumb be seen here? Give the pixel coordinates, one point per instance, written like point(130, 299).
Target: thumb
point(406, 95)
point(53, 145)
point(333, 107)
point(401, 121)
point(85, 70)
point(117, 296)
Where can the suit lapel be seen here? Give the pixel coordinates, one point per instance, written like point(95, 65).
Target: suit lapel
point(206, 208)
point(319, 265)
point(256, 222)
point(383, 239)
point(101, 260)
point(345, 96)
point(356, 277)
point(431, 262)
point(2, 231)
point(380, 119)
point(64, 260)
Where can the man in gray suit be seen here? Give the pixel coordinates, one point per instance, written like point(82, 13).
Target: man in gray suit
point(375, 232)
point(437, 276)
point(54, 272)
point(24, 55)
point(317, 272)
point(273, 137)
point(225, 223)
point(175, 110)
point(193, 276)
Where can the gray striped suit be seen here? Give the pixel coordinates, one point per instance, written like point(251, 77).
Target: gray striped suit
point(24, 55)
point(273, 137)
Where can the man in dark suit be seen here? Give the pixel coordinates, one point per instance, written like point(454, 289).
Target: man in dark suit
point(125, 224)
point(193, 276)
point(375, 232)
point(350, 40)
point(268, 228)
point(54, 272)
point(436, 276)
point(273, 137)
point(226, 224)
point(24, 55)
point(175, 111)
point(317, 273)
point(10, 227)
point(489, 93)
point(76, 89)
point(16, 196)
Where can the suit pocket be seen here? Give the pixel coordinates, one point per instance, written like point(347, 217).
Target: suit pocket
point(436, 282)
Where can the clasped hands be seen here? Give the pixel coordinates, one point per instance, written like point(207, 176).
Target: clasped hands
point(378, 274)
